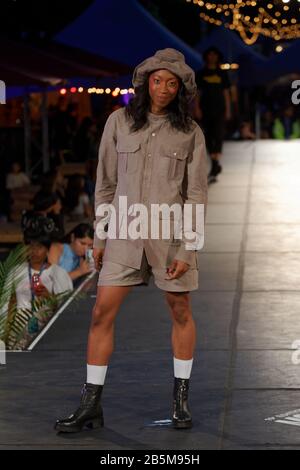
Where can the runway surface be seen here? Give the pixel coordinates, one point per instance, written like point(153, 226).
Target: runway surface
point(247, 310)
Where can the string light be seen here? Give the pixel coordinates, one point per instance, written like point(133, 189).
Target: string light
point(229, 66)
point(99, 91)
point(277, 19)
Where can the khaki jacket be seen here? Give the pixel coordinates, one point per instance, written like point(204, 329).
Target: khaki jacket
point(154, 165)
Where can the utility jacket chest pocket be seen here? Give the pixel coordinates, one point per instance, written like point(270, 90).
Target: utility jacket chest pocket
point(173, 161)
point(127, 148)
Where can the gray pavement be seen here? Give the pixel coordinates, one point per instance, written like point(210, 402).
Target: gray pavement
point(247, 315)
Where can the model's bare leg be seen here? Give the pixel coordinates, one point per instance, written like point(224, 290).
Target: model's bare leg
point(183, 342)
point(101, 334)
point(100, 348)
point(184, 329)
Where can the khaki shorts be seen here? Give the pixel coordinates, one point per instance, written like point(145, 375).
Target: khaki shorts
point(114, 274)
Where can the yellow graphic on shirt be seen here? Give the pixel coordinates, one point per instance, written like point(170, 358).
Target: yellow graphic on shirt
point(213, 78)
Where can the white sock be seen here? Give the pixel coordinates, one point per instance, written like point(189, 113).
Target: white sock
point(96, 374)
point(182, 368)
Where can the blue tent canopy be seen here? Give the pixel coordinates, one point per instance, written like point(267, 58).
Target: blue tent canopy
point(123, 31)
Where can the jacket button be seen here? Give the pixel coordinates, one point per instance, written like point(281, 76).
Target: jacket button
point(153, 134)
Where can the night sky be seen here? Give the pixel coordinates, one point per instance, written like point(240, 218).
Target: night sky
point(36, 20)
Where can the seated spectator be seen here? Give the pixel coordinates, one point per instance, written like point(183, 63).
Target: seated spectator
point(246, 131)
point(267, 120)
point(49, 204)
point(77, 201)
point(53, 278)
point(55, 182)
point(72, 255)
point(16, 178)
point(287, 126)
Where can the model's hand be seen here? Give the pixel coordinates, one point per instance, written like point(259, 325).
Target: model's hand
point(98, 255)
point(177, 269)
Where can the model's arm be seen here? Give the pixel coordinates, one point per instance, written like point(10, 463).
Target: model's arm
point(194, 191)
point(107, 175)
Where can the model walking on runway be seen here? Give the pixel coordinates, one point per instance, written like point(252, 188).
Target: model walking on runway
point(151, 152)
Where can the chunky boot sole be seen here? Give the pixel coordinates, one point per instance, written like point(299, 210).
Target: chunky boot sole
point(90, 423)
point(212, 179)
point(183, 424)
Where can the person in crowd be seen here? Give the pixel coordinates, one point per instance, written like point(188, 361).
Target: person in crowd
point(16, 178)
point(246, 131)
point(72, 255)
point(52, 279)
point(267, 122)
point(63, 126)
point(287, 126)
point(214, 106)
point(86, 141)
point(49, 204)
point(55, 182)
point(77, 201)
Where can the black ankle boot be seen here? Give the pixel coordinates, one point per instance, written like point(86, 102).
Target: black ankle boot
point(216, 168)
point(88, 414)
point(181, 413)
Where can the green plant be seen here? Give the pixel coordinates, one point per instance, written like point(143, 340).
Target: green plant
point(13, 320)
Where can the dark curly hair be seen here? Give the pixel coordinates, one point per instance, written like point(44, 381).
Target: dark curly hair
point(38, 228)
point(216, 51)
point(178, 110)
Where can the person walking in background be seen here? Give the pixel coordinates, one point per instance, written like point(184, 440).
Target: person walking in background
point(214, 106)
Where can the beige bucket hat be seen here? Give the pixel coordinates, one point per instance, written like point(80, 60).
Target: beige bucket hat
point(172, 60)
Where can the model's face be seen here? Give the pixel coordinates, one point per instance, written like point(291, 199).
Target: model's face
point(80, 245)
point(163, 88)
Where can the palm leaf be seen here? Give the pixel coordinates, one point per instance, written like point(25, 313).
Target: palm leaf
point(10, 274)
point(13, 321)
